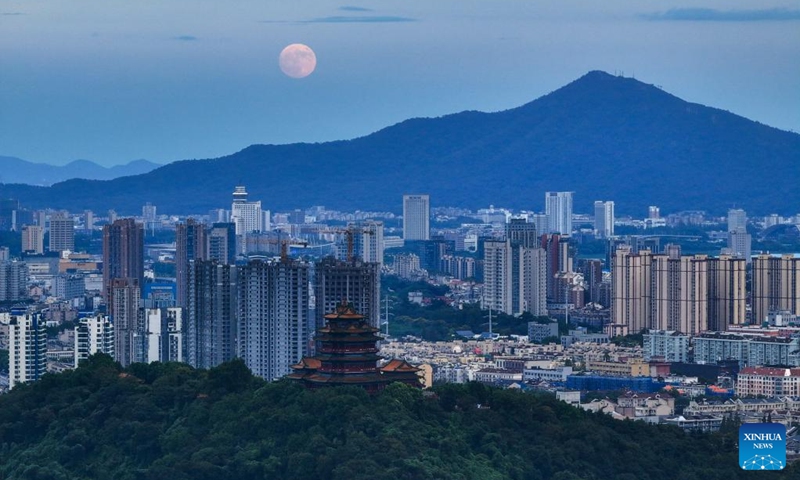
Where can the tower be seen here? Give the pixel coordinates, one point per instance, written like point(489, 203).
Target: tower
point(190, 245)
point(211, 313)
point(356, 281)
point(27, 348)
point(558, 206)
point(416, 217)
point(244, 214)
point(123, 253)
point(273, 316)
point(222, 243)
point(604, 219)
point(62, 233)
point(125, 297)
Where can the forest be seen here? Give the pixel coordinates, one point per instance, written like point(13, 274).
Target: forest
point(172, 422)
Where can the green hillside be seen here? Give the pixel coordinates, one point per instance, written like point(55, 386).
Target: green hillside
point(168, 421)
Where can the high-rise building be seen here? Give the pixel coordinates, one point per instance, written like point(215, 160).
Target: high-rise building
point(776, 285)
point(737, 220)
point(416, 218)
point(558, 206)
point(631, 288)
point(33, 239)
point(222, 243)
point(125, 297)
point(190, 245)
point(356, 281)
point(123, 254)
point(367, 241)
point(211, 314)
point(273, 316)
point(727, 300)
point(68, 286)
point(13, 281)
point(514, 272)
point(160, 336)
point(558, 258)
point(740, 244)
point(680, 293)
point(62, 233)
point(244, 214)
point(653, 212)
point(27, 348)
point(93, 335)
point(88, 220)
point(603, 219)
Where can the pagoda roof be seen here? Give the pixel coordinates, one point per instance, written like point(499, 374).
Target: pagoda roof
point(311, 363)
point(399, 366)
point(345, 379)
point(344, 311)
point(344, 358)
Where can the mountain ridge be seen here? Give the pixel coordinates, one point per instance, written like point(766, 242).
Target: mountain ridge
point(602, 136)
point(17, 170)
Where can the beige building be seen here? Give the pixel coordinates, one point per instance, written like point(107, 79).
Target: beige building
point(776, 285)
point(680, 293)
point(767, 381)
point(33, 239)
point(630, 291)
point(636, 368)
point(727, 303)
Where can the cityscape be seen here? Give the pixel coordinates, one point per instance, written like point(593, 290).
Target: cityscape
point(454, 241)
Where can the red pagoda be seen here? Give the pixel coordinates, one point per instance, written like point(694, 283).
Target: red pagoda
point(348, 355)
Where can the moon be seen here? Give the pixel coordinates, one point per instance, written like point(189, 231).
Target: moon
point(297, 60)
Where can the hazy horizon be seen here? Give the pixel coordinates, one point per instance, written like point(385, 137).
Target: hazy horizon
point(114, 82)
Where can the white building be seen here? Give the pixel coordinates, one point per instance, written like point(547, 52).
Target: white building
point(737, 220)
point(161, 338)
point(670, 345)
point(247, 216)
point(548, 375)
point(603, 219)
point(416, 217)
point(93, 335)
point(27, 348)
point(558, 206)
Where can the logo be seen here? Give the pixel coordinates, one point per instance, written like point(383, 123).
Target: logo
point(762, 446)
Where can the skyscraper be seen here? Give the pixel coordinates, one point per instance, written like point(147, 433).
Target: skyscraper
point(161, 335)
point(13, 280)
point(680, 293)
point(367, 241)
point(558, 206)
point(514, 271)
point(356, 281)
point(416, 219)
point(558, 257)
point(222, 243)
point(123, 253)
point(776, 285)
point(27, 348)
point(33, 239)
point(190, 244)
point(740, 245)
point(603, 219)
point(727, 300)
point(125, 297)
point(273, 316)
point(62, 233)
point(631, 288)
point(245, 215)
point(211, 314)
point(737, 220)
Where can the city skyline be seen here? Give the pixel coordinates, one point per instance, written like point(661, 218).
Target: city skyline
point(134, 88)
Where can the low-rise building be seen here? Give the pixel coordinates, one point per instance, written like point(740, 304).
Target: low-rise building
point(669, 345)
point(695, 423)
point(548, 375)
point(767, 381)
point(581, 335)
point(539, 331)
point(635, 368)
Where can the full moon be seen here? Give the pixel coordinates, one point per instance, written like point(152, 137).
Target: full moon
point(297, 60)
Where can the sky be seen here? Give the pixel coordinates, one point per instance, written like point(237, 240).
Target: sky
point(114, 80)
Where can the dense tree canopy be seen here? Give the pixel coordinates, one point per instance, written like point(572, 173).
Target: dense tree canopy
point(169, 421)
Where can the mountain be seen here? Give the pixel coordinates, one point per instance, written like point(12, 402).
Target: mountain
point(16, 170)
point(602, 136)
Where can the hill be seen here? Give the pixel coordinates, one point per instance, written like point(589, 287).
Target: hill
point(16, 170)
point(602, 136)
point(168, 421)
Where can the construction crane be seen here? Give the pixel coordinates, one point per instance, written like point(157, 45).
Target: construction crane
point(285, 243)
point(349, 232)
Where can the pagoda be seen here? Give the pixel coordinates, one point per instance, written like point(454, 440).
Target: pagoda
point(347, 354)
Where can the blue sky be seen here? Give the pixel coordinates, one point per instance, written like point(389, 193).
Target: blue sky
point(115, 80)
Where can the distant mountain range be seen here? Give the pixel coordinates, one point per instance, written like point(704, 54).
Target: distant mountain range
point(16, 170)
point(602, 136)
